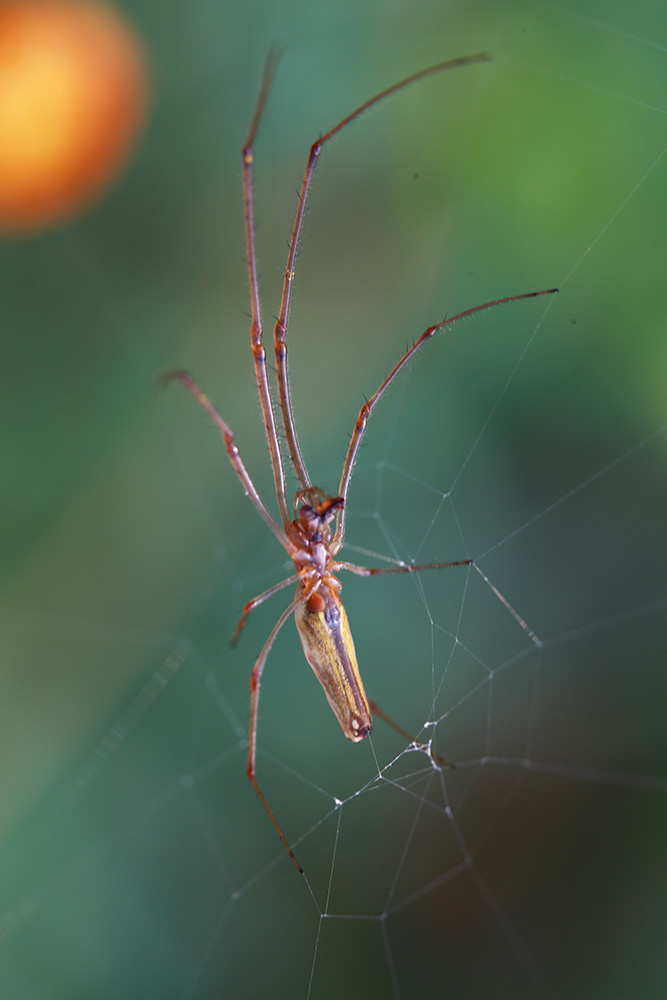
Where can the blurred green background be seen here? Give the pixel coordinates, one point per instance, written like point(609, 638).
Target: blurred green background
point(136, 861)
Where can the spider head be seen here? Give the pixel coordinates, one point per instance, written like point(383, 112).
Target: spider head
point(315, 517)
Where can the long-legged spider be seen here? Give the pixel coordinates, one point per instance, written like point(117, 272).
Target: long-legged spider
point(305, 532)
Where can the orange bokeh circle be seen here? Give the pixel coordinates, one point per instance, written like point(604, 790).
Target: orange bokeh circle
point(73, 94)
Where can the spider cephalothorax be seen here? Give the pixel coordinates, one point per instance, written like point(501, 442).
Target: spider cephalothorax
point(313, 521)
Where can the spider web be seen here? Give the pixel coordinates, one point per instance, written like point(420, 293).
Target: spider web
point(137, 860)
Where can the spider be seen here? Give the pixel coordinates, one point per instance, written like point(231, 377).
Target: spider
point(313, 530)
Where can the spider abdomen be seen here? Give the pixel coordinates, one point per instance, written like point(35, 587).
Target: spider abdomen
point(327, 645)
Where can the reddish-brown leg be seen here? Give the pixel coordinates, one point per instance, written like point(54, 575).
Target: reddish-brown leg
point(232, 451)
point(406, 568)
point(376, 710)
point(255, 603)
point(258, 350)
point(386, 571)
point(410, 568)
point(283, 318)
point(255, 681)
point(368, 407)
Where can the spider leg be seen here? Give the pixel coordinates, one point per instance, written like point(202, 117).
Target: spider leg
point(369, 405)
point(283, 318)
point(376, 710)
point(255, 680)
point(410, 568)
point(405, 568)
point(258, 349)
point(232, 451)
point(256, 601)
